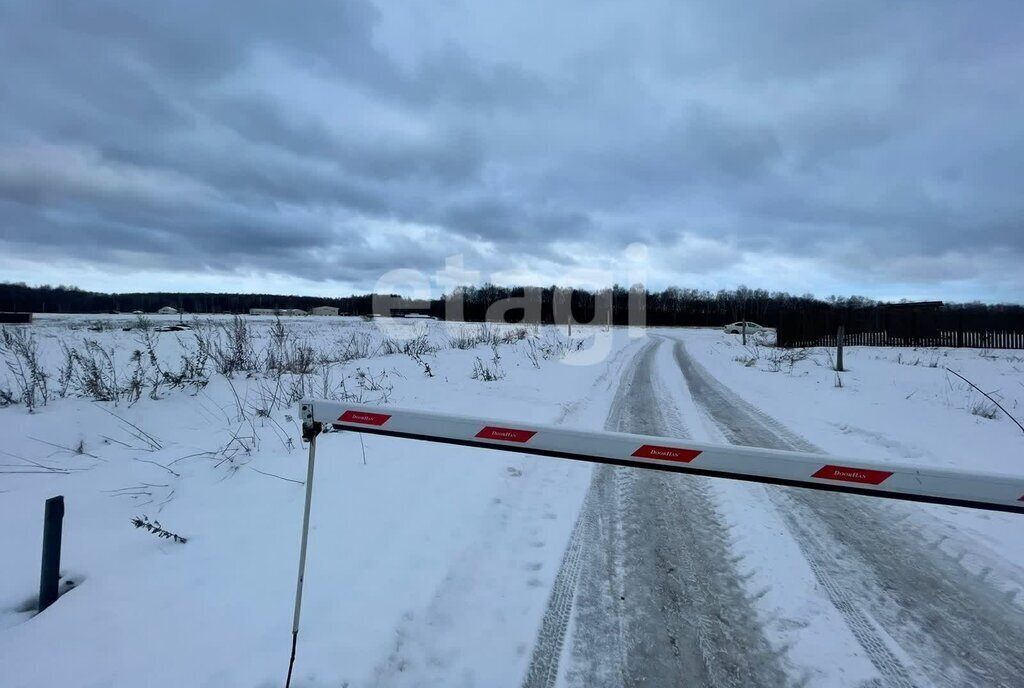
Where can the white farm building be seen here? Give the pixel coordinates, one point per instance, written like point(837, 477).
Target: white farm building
point(323, 310)
point(276, 311)
point(167, 310)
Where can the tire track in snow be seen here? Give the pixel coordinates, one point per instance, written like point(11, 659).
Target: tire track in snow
point(959, 630)
point(550, 643)
point(658, 601)
point(547, 650)
point(543, 671)
point(425, 652)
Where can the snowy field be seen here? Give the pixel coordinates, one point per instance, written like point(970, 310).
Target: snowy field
point(433, 565)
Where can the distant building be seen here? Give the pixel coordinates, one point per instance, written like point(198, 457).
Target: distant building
point(276, 311)
point(167, 310)
point(323, 310)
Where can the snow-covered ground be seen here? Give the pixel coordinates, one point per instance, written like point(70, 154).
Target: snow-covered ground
point(405, 536)
point(429, 565)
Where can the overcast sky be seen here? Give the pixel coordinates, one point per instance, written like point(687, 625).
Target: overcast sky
point(858, 147)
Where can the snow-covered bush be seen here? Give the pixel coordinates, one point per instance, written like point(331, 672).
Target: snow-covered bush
point(91, 371)
point(532, 353)
point(463, 339)
point(154, 527)
point(514, 335)
point(423, 364)
point(984, 409)
point(418, 345)
point(469, 338)
point(20, 352)
point(779, 357)
point(487, 373)
point(230, 345)
point(356, 345)
point(553, 347)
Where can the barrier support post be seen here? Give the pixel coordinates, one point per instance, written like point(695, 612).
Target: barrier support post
point(310, 430)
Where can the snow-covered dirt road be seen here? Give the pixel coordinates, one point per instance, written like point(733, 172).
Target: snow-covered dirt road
point(659, 598)
point(663, 595)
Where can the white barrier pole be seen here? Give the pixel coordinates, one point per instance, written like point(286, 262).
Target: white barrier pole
point(867, 476)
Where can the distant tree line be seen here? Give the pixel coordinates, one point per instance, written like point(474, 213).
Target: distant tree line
point(618, 305)
point(64, 299)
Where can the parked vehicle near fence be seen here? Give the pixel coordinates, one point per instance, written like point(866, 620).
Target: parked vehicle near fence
point(737, 328)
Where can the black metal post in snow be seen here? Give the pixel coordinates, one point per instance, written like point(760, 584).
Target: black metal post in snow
point(49, 576)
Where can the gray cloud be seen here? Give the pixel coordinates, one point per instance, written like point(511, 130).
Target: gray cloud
point(341, 140)
point(449, 156)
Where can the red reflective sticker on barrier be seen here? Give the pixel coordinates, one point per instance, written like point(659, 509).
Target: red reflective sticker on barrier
point(364, 418)
point(505, 434)
point(852, 475)
point(651, 451)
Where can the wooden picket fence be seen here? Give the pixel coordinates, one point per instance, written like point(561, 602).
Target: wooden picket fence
point(930, 325)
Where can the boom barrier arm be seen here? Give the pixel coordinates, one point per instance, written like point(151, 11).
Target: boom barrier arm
point(892, 480)
point(797, 469)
